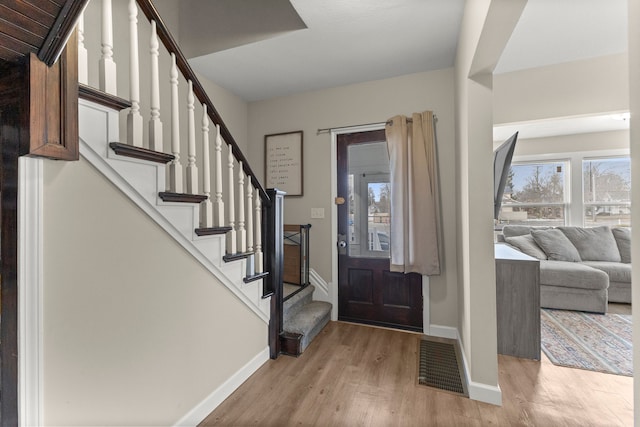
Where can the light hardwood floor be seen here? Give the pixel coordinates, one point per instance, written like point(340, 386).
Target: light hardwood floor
point(355, 375)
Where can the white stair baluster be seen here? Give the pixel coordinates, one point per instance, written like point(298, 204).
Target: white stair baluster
point(231, 235)
point(107, 68)
point(218, 204)
point(134, 119)
point(175, 168)
point(83, 57)
point(241, 233)
point(249, 223)
point(206, 207)
point(192, 169)
point(258, 235)
point(155, 124)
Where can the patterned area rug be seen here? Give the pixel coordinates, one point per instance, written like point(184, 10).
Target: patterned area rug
point(595, 342)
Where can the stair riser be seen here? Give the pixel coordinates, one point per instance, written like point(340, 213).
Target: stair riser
point(296, 302)
point(307, 338)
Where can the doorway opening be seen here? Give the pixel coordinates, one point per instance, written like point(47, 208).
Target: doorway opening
point(368, 292)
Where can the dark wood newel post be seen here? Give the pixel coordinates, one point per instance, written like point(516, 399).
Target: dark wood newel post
point(273, 255)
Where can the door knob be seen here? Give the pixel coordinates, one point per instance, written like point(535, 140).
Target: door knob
point(342, 244)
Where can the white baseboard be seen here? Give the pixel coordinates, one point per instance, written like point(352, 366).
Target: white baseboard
point(316, 280)
point(477, 391)
point(444, 332)
point(211, 402)
point(485, 393)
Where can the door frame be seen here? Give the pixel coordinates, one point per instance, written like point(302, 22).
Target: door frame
point(334, 227)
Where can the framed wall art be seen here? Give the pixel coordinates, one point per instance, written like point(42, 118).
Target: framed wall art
point(283, 162)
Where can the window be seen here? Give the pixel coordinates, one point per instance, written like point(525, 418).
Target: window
point(584, 189)
point(535, 194)
point(606, 188)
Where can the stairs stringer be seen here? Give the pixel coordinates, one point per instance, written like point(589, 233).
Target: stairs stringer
point(141, 181)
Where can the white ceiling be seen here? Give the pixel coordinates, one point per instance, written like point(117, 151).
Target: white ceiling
point(555, 31)
point(354, 41)
point(346, 41)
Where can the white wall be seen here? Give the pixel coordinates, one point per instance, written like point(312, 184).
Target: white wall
point(634, 102)
point(136, 331)
point(485, 30)
point(369, 102)
point(597, 141)
point(586, 87)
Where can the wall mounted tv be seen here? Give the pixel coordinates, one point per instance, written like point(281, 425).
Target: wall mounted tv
point(501, 164)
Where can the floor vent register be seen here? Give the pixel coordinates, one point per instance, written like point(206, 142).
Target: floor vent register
point(440, 365)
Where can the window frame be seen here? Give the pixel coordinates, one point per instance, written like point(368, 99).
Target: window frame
point(586, 204)
point(574, 210)
point(566, 190)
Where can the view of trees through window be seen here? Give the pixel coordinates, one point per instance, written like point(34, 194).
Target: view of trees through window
point(606, 185)
point(535, 192)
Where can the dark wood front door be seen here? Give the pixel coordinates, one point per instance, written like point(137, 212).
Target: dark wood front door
point(368, 292)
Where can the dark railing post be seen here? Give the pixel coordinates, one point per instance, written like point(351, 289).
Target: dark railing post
point(273, 255)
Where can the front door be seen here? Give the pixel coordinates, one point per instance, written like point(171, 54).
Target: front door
point(368, 292)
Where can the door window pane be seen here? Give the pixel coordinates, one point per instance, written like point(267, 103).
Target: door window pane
point(369, 201)
point(379, 216)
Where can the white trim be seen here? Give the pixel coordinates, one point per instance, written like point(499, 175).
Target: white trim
point(426, 309)
point(30, 277)
point(334, 224)
point(316, 280)
point(445, 332)
point(196, 415)
point(479, 391)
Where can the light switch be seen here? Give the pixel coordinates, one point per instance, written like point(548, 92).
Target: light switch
point(317, 213)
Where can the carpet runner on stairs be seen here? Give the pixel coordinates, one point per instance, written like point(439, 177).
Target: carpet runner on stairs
point(303, 316)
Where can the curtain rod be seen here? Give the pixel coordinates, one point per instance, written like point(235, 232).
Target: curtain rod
point(388, 122)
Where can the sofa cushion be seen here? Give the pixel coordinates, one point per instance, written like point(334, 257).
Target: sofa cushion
point(594, 243)
point(572, 275)
point(527, 245)
point(623, 240)
point(617, 271)
point(519, 230)
point(556, 245)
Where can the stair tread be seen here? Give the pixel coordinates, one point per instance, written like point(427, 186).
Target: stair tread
point(307, 317)
point(140, 153)
point(292, 305)
point(298, 296)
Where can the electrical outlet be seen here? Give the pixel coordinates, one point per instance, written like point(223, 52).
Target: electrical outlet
point(317, 213)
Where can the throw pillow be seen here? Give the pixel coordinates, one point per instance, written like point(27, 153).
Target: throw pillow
point(556, 245)
point(527, 245)
point(593, 243)
point(520, 230)
point(623, 240)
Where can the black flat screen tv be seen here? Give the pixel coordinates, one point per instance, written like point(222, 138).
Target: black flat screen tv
point(501, 164)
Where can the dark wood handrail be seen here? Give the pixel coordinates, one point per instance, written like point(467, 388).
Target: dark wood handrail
point(59, 33)
point(151, 13)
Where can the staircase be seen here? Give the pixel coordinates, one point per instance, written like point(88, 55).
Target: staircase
point(215, 207)
point(303, 319)
point(141, 175)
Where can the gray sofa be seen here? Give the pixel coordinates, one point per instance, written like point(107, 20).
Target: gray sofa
point(580, 268)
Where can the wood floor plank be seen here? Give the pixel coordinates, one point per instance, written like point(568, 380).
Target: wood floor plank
point(355, 375)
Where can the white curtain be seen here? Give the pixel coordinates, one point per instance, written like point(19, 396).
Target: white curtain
point(415, 196)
